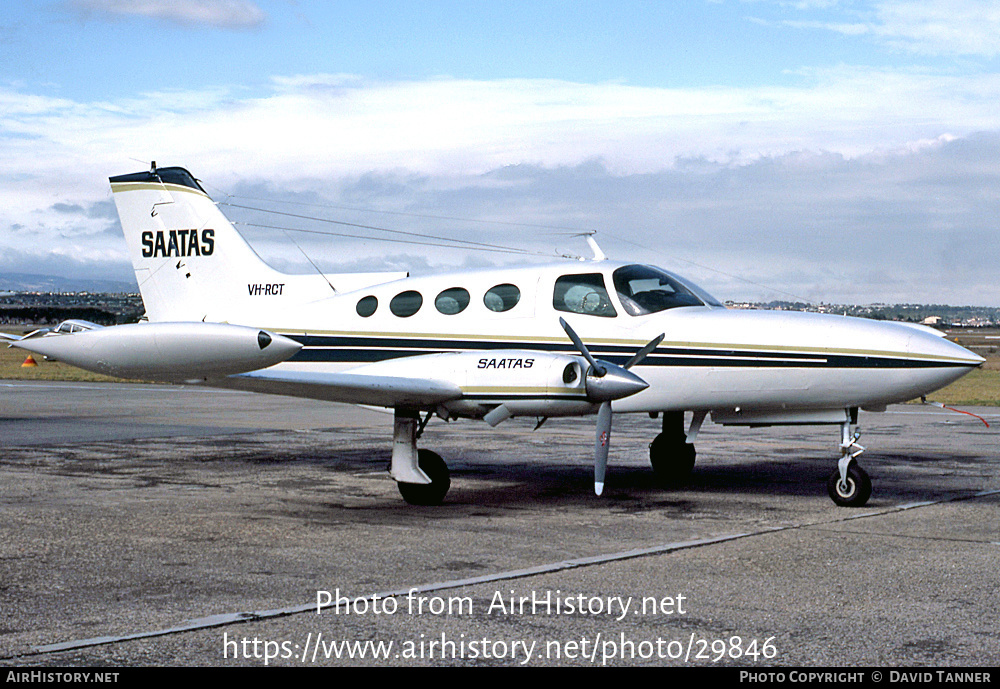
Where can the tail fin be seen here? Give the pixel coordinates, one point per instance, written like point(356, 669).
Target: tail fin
point(189, 260)
point(192, 264)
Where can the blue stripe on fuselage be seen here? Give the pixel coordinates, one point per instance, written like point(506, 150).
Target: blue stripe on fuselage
point(361, 350)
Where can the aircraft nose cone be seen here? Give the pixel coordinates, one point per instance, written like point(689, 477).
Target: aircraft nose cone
point(616, 383)
point(932, 346)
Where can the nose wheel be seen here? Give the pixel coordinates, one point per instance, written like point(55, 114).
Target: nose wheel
point(852, 491)
point(849, 485)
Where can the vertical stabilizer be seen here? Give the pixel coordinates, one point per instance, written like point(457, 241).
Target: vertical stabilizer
point(189, 260)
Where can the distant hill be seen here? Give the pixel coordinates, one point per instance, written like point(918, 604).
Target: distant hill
point(27, 282)
point(941, 315)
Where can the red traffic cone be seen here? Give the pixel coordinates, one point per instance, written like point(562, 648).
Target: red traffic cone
point(30, 361)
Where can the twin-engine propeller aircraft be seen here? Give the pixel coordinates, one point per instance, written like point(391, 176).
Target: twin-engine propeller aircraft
point(569, 339)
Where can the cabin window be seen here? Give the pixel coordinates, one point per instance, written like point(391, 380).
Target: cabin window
point(502, 297)
point(645, 289)
point(452, 301)
point(584, 294)
point(406, 303)
point(367, 306)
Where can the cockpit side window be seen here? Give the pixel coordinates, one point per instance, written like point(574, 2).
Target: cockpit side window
point(584, 294)
point(645, 289)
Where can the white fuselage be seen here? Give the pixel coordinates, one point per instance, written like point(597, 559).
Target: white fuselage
point(712, 358)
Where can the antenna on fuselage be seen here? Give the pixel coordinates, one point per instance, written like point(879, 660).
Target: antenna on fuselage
point(598, 254)
point(321, 273)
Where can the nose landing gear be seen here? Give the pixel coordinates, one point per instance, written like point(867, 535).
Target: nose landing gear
point(849, 485)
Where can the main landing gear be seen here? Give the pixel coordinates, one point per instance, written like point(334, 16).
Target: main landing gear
point(421, 475)
point(849, 485)
point(672, 453)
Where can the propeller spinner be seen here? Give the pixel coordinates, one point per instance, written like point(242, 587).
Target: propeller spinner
point(606, 382)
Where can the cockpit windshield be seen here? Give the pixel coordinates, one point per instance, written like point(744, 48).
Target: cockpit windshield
point(645, 289)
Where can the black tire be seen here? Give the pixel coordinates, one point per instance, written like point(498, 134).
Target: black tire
point(431, 493)
point(672, 461)
point(856, 492)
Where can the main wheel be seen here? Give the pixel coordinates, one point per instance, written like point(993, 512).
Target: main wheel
point(855, 492)
point(428, 493)
point(672, 461)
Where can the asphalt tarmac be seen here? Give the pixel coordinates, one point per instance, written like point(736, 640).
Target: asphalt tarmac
point(158, 525)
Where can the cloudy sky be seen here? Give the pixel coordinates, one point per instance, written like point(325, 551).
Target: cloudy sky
point(827, 150)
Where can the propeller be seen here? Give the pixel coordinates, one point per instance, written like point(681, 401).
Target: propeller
point(606, 382)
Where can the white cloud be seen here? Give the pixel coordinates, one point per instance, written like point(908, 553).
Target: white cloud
point(905, 225)
point(928, 27)
point(333, 125)
point(223, 14)
point(846, 28)
point(710, 173)
point(942, 27)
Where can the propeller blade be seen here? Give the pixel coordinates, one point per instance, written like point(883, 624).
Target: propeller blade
point(644, 352)
point(602, 444)
point(606, 382)
point(597, 368)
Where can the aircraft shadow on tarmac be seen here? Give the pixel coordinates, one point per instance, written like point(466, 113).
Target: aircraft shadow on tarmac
point(501, 479)
point(512, 475)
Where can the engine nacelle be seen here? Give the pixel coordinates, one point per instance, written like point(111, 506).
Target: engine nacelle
point(525, 382)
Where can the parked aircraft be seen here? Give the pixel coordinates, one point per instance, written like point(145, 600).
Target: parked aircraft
point(566, 339)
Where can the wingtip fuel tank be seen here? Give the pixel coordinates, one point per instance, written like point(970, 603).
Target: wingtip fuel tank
point(170, 352)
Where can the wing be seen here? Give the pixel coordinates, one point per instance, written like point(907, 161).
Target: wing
point(513, 382)
point(467, 384)
point(354, 388)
